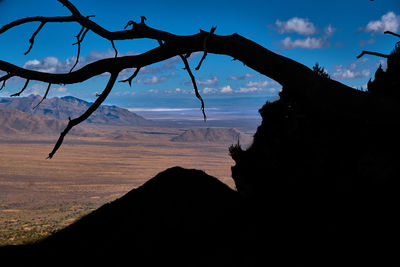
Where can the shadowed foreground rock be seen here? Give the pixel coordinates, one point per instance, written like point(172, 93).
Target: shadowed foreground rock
point(180, 218)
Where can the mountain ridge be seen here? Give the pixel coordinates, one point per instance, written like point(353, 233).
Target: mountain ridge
point(67, 107)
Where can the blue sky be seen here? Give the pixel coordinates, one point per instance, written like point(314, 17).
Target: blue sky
point(331, 33)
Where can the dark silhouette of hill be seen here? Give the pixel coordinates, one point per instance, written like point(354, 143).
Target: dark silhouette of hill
point(318, 186)
point(72, 107)
point(14, 122)
point(180, 217)
point(220, 135)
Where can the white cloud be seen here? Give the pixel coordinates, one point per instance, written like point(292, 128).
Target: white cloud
point(257, 84)
point(296, 25)
point(329, 30)
point(345, 73)
point(248, 89)
point(47, 64)
point(388, 22)
point(240, 77)
point(212, 81)
point(309, 43)
point(152, 80)
point(61, 90)
point(226, 89)
point(54, 65)
point(209, 90)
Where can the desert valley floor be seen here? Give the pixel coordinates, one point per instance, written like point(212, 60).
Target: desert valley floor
point(39, 196)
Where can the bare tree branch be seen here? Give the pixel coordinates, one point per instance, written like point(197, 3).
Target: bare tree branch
point(129, 80)
point(392, 33)
point(32, 39)
point(22, 90)
point(372, 53)
point(87, 113)
point(79, 38)
point(187, 68)
point(44, 97)
point(285, 71)
point(115, 49)
point(4, 79)
point(36, 19)
point(205, 47)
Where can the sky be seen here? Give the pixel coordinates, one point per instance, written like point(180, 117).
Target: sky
point(331, 33)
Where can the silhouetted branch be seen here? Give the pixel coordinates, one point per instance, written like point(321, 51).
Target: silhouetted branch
point(115, 49)
point(79, 38)
point(392, 33)
point(372, 53)
point(44, 97)
point(32, 39)
point(86, 114)
point(205, 47)
point(36, 19)
point(187, 68)
point(4, 79)
point(129, 80)
point(22, 90)
point(285, 71)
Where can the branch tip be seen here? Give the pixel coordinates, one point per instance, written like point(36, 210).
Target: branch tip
point(44, 97)
point(187, 68)
point(32, 39)
point(373, 54)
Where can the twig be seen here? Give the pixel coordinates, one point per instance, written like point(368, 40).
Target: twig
point(35, 19)
point(129, 80)
point(187, 68)
point(115, 49)
point(32, 39)
point(392, 33)
point(22, 90)
point(4, 79)
point(372, 53)
point(86, 114)
point(44, 97)
point(205, 47)
point(79, 40)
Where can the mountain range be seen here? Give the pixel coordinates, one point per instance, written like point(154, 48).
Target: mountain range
point(14, 122)
point(71, 107)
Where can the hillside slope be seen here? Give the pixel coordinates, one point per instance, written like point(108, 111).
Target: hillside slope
point(68, 106)
point(218, 135)
point(180, 217)
point(14, 122)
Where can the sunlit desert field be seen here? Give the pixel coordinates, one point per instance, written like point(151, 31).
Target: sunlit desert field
point(39, 195)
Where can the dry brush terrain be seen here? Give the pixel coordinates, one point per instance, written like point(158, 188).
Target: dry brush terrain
point(39, 196)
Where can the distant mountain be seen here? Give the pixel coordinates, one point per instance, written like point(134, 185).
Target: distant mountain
point(68, 106)
point(14, 122)
point(218, 135)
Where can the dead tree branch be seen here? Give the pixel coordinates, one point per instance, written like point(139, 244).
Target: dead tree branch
point(196, 90)
point(32, 39)
point(372, 53)
point(44, 97)
point(129, 80)
point(4, 79)
point(87, 113)
point(205, 47)
point(22, 90)
point(392, 33)
point(285, 71)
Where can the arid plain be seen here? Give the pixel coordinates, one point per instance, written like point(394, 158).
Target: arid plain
point(39, 195)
